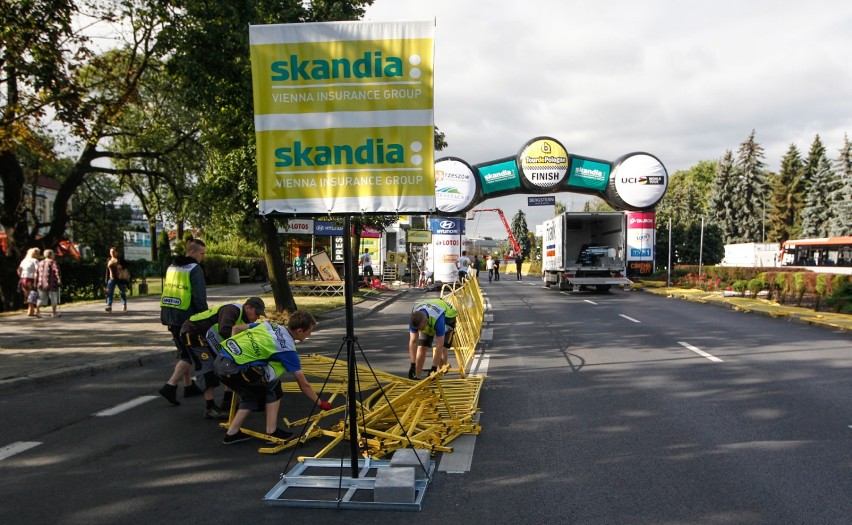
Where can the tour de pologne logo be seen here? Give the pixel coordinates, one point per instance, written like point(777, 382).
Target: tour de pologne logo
point(544, 163)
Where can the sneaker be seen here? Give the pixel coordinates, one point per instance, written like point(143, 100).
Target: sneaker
point(236, 438)
point(281, 434)
point(412, 373)
point(124, 308)
point(170, 393)
point(215, 413)
point(108, 309)
point(191, 390)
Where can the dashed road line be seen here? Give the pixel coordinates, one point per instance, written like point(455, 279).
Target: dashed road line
point(17, 448)
point(590, 302)
point(133, 403)
point(629, 318)
point(700, 352)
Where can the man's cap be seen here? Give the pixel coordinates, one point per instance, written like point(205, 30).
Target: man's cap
point(257, 304)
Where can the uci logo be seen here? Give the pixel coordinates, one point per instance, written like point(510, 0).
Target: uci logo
point(447, 225)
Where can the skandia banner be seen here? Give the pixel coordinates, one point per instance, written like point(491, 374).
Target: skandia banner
point(344, 117)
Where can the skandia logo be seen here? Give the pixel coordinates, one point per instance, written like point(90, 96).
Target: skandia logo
point(590, 173)
point(370, 152)
point(371, 65)
point(499, 175)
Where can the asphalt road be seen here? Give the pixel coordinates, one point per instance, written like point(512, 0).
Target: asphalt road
point(597, 409)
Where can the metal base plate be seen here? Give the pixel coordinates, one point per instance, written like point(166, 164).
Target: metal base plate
point(309, 487)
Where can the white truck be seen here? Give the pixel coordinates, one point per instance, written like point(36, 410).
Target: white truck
point(583, 250)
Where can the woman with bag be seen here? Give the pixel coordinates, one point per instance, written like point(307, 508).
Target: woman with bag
point(27, 272)
point(48, 282)
point(117, 274)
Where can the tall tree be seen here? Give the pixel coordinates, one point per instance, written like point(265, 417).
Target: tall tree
point(750, 191)
point(842, 223)
point(520, 230)
point(723, 209)
point(785, 198)
point(53, 81)
point(818, 214)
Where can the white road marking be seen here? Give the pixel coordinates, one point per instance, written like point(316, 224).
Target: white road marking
point(133, 403)
point(487, 334)
point(461, 458)
point(629, 318)
point(700, 352)
point(590, 302)
point(17, 448)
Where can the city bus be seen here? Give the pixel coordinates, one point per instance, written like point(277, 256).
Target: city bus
point(827, 254)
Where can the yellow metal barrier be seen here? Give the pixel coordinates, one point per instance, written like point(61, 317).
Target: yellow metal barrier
point(397, 412)
point(468, 302)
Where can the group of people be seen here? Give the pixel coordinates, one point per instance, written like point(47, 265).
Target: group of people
point(40, 281)
point(228, 345)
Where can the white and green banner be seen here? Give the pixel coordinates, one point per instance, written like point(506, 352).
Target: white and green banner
point(344, 117)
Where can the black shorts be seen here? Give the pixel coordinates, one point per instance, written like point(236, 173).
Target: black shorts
point(253, 390)
point(183, 352)
point(427, 340)
point(203, 357)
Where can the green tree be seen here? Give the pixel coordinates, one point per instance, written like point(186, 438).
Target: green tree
point(521, 231)
point(818, 213)
point(842, 198)
point(723, 210)
point(559, 208)
point(53, 83)
point(687, 197)
point(750, 190)
point(785, 198)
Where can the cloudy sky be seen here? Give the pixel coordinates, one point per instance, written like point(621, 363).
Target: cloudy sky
point(683, 80)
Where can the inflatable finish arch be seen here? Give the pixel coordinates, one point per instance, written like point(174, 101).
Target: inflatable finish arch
point(634, 182)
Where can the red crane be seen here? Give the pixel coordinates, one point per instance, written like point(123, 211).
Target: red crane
point(512, 239)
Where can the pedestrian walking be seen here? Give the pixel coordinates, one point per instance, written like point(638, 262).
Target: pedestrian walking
point(117, 274)
point(489, 265)
point(48, 281)
point(519, 260)
point(27, 270)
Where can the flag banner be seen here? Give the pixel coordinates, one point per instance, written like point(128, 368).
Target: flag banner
point(344, 117)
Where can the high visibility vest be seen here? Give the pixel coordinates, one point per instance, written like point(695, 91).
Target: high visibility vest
point(177, 288)
point(257, 345)
point(212, 336)
point(434, 308)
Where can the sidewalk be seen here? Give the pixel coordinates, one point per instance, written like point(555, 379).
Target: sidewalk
point(86, 338)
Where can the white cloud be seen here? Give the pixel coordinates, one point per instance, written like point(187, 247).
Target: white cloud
point(682, 80)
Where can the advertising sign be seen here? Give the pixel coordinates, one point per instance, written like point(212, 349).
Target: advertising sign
point(326, 228)
point(543, 163)
point(548, 200)
point(298, 226)
point(641, 239)
point(344, 117)
point(455, 185)
point(419, 236)
point(588, 173)
point(638, 182)
point(499, 176)
point(446, 248)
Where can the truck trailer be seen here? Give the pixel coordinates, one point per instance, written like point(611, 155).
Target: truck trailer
point(585, 250)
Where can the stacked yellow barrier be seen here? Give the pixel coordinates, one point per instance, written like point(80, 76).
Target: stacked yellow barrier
point(468, 302)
